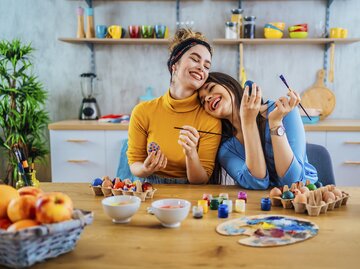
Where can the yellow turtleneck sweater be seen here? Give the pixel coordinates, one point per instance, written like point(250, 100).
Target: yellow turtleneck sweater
point(154, 121)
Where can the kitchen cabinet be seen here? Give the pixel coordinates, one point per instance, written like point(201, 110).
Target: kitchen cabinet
point(80, 154)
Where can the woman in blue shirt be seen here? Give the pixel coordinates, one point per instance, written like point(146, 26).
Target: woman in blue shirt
point(263, 143)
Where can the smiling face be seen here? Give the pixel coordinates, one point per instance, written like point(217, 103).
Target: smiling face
point(217, 100)
point(192, 70)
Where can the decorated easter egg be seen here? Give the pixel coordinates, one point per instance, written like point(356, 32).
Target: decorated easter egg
point(275, 192)
point(116, 180)
point(97, 182)
point(147, 186)
point(287, 195)
point(153, 147)
point(311, 187)
point(119, 185)
point(318, 184)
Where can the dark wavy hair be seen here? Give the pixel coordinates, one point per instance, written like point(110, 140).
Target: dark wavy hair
point(228, 130)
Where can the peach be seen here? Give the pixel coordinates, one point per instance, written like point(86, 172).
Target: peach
point(7, 193)
point(53, 207)
point(22, 208)
point(28, 190)
point(22, 224)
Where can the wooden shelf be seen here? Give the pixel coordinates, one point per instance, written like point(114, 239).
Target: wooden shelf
point(264, 41)
point(109, 41)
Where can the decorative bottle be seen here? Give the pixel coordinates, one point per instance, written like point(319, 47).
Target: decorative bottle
point(80, 23)
point(90, 32)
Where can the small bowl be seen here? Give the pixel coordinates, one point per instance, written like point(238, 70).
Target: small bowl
point(298, 34)
point(171, 212)
point(280, 25)
point(121, 208)
point(272, 33)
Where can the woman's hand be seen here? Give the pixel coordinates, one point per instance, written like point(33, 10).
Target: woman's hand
point(189, 140)
point(155, 161)
point(250, 105)
point(283, 106)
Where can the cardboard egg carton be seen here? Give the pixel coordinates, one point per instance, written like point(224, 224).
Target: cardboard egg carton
point(279, 201)
point(142, 195)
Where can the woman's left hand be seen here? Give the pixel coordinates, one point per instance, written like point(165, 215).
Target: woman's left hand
point(283, 106)
point(189, 140)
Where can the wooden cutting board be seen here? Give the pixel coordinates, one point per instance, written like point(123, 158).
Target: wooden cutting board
point(318, 96)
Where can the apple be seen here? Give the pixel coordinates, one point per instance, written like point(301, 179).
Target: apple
point(22, 224)
point(53, 207)
point(5, 223)
point(7, 193)
point(147, 186)
point(28, 190)
point(22, 208)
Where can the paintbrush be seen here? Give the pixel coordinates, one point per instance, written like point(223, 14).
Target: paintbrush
point(283, 80)
point(205, 132)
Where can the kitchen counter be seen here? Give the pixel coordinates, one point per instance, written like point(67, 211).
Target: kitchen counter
point(325, 125)
point(144, 243)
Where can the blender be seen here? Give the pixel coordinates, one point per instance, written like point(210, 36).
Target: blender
point(89, 109)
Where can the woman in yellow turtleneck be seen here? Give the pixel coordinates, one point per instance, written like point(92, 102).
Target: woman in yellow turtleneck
point(185, 155)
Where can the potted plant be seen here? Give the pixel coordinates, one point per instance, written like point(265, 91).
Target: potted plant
point(23, 119)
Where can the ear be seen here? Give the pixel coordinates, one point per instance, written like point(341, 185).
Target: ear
point(173, 68)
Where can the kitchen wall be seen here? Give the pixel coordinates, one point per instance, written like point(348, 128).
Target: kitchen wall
point(125, 71)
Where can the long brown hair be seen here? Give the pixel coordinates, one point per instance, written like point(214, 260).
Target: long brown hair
point(228, 130)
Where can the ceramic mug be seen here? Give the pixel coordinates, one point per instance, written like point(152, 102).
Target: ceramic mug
point(115, 31)
point(147, 31)
point(160, 31)
point(134, 31)
point(101, 31)
point(338, 32)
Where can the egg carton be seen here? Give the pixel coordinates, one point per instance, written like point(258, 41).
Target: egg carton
point(285, 203)
point(107, 192)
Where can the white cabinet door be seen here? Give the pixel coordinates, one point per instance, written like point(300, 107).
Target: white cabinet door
point(77, 156)
point(113, 139)
point(344, 148)
point(318, 138)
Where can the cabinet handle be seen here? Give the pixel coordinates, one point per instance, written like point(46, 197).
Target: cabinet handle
point(352, 142)
point(352, 162)
point(77, 140)
point(77, 161)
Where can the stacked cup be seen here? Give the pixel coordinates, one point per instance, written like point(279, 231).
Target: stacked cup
point(298, 31)
point(274, 30)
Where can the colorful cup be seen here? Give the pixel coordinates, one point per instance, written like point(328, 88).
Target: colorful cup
point(101, 31)
point(134, 31)
point(160, 31)
point(115, 31)
point(338, 32)
point(147, 31)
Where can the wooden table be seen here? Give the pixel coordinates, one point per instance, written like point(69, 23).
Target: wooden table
point(144, 243)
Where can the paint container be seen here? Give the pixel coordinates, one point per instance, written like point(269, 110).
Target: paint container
point(265, 204)
point(240, 205)
point(223, 211)
point(229, 203)
point(224, 196)
point(214, 204)
point(197, 212)
point(242, 196)
point(208, 197)
point(204, 204)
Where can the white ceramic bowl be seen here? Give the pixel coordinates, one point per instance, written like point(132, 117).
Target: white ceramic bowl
point(121, 208)
point(171, 212)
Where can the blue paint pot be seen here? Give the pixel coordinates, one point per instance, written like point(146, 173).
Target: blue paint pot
point(265, 204)
point(223, 211)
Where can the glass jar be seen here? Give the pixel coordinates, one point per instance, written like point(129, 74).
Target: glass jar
point(231, 30)
point(249, 27)
point(238, 18)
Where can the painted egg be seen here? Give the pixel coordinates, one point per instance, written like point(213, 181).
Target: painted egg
point(97, 182)
point(116, 180)
point(275, 192)
point(153, 147)
point(337, 192)
point(318, 184)
point(311, 187)
point(287, 195)
point(119, 185)
point(300, 198)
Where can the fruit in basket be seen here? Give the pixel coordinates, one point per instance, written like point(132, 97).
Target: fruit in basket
point(53, 207)
point(21, 208)
point(7, 193)
point(28, 190)
point(5, 223)
point(147, 186)
point(22, 224)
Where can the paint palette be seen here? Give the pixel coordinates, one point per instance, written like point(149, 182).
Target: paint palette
point(269, 230)
point(153, 147)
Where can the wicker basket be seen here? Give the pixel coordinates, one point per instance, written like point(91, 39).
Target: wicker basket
point(35, 244)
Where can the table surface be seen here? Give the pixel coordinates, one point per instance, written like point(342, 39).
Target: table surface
point(144, 243)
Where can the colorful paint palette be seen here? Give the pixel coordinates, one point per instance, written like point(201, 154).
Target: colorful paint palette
point(269, 230)
point(153, 147)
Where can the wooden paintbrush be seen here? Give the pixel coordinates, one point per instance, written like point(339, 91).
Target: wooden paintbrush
point(205, 132)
